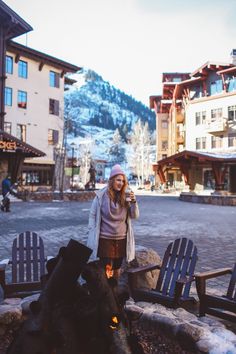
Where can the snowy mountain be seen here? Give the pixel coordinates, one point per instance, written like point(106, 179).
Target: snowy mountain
point(94, 109)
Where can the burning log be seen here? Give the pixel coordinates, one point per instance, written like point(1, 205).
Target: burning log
point(112, 321)
point(70, 318)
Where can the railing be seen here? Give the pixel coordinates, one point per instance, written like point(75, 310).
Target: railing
point(219, 125)
point(180, 139)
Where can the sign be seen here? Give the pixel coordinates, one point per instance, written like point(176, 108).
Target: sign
point(7, 145)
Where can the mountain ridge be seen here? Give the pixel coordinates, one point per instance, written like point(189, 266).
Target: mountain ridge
point(91, 101)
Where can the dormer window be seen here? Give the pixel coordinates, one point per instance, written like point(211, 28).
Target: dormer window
point(216, 87)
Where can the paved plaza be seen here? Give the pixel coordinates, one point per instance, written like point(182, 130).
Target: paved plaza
point(162, 219)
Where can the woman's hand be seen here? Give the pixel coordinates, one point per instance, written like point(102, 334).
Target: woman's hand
point(132, 197)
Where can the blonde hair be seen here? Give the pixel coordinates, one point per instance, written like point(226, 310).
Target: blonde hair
point(121, 195)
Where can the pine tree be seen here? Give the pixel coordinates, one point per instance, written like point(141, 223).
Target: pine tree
point(117, 151)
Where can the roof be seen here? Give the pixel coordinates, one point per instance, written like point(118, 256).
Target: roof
point(42, 58)
point(18, 25)
point(26, 149)
point(228, 70)
point(153, 99)
point(179, 88)
point(199, 156)
point(169, 76)
point(209, 66)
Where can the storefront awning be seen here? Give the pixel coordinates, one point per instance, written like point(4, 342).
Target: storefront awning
point(10, 144)
point(200, 157)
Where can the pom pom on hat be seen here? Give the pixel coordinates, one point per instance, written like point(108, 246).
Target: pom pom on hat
point(116, 170)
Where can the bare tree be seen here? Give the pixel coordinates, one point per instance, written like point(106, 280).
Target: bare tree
point(140, 159)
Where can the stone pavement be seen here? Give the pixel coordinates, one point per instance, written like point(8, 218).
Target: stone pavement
point(162, 219)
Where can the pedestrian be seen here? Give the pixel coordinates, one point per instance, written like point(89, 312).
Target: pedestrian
point(111, 235)
point(6, 190)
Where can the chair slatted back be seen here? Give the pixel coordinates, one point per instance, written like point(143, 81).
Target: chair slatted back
point(28, 261)
point(231, 293)
point(178, 262)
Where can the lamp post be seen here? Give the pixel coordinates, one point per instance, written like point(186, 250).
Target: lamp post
point(72, 145)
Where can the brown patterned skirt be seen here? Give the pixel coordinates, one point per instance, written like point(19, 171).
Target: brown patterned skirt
point(111, 248)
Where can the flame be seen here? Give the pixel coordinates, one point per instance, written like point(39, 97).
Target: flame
point(114, 322)
point(109, 271)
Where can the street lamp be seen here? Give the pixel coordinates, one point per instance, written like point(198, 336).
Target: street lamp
point(72, 145)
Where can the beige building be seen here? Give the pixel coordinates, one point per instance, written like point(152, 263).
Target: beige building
point(34, 107)
point(169, 123)
point(202, 136)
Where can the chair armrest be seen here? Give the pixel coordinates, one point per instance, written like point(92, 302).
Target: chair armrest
point(133, 272)
point(143, 269)
point(202, 277)
point(185, 280)
point(179, 287)
point(213, 273)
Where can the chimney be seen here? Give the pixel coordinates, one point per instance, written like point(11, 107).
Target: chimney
point(233, 56)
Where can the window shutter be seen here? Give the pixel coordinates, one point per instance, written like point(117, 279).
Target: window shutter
point(55, 136)
point(56, 108)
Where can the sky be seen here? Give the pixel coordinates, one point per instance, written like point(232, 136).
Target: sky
point(130, 43)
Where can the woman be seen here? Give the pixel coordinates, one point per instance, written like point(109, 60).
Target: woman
point(110, 231)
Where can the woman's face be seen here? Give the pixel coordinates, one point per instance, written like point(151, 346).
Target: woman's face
point(118, 182)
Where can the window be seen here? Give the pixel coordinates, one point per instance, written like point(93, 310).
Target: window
point(7, 127)
point(232, 139)
point(203, 141)
point(21, 132)
point(198, 118)
point(216, 142)
point(23, 69)
point(35, 177)
point(198, 143)
point(22, 99)
point(164, 144)
point(54, 107)
point(216, 87)
point(164, 124)
point(176, 79)
point(164, 156)
point(231, 113)
point(216, 114)
point(54, 79)
point(8, 96)
point(231, 82)
point(204, 117)
point(53, 137)
point(208, 179)
point(9, 65)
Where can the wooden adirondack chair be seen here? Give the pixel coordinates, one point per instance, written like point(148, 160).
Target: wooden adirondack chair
point(175, 277)
point(220, 306)
point(27, 265)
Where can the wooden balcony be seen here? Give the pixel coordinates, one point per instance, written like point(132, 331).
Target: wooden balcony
point(180, 139)
point(179, 118)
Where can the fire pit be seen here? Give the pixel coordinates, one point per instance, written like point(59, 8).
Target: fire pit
point(69, 318)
